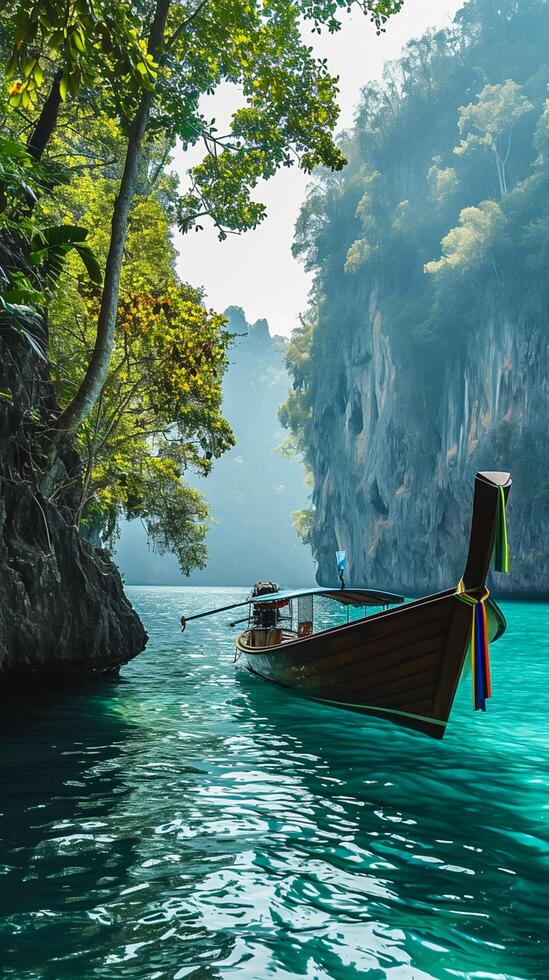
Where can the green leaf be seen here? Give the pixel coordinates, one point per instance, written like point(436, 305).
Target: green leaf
point(64, 87)
point(16, 309)
point(22, 30)
point(79, 41)
point(28, 66)
point(92, 265)
point(32, 342)
point(146, 84)
point(12, 65)
point(56, 40)
point(52, 244)
point(59, 235)
point(11, 149)
point(38, 256)
point(74, 83)
point(11, 296)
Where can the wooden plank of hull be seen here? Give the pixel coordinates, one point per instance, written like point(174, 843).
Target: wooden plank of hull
point(363, 642)
point(374, 659)
point(419, 721)
point(408, 622)
point(358, 674)
point(406, 669)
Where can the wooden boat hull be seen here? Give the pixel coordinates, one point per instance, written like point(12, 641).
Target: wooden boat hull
point(403, 664)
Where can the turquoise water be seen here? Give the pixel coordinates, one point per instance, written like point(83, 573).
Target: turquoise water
point(193, 821)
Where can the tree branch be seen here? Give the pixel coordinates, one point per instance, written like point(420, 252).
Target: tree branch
point(98, 366)
point(47, 119)
point(184, 24)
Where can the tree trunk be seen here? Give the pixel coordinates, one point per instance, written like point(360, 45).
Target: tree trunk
point(47, 120)
point(500, 167)
point(97, 369)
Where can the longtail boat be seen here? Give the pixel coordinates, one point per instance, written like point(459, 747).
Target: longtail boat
point(402, 663)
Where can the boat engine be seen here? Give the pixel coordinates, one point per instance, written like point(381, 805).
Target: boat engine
point(265, 614)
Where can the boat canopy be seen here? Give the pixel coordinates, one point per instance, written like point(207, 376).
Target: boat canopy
point(347, 597)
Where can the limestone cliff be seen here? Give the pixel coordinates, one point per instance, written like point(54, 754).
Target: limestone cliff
point(63, 613)
point(394, 473)
point(424, 353)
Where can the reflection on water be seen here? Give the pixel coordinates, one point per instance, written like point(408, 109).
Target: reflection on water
point(193, 821)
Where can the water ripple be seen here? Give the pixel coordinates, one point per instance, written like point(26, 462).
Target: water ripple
point(191, 821)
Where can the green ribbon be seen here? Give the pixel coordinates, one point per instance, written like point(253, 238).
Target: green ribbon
point(501, 555)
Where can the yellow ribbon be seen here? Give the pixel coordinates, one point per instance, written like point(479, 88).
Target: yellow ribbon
point(475, 601)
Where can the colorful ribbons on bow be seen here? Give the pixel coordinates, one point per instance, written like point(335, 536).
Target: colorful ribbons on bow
point(501, 547)
point(480, 655)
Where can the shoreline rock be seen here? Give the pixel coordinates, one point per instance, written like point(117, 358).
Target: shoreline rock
point(64, 615)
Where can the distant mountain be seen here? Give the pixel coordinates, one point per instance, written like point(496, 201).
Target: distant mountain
point(252, 489)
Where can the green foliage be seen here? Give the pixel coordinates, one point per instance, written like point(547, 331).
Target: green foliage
point(466, 248)
point(88, 86)
point(289, 114)
point(160, 409)
point(488, 123)
point(443, 184)
point(87, 39)
point(289, 110)
point(19, 183)
point(176, 517)
point(489, 119)
point(299, 355)
point(304, 521)
point(541, 137)
point(50, 246)
point(357, 256)
point(295, 414)
point(27, 244)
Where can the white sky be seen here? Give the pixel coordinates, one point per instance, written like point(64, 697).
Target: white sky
point(256, 270)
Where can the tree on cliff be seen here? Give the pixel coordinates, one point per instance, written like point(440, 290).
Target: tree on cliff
point(159, 411)
point(488, 124)
point(106, 89)
point(289, 111)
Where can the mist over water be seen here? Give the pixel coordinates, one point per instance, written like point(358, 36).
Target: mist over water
point(190, 820)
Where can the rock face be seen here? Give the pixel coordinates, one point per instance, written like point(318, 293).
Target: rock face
point(424, 355)
point(394, 477)
point(63, 614)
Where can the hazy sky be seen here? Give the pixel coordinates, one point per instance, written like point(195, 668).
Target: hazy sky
point(256, 270)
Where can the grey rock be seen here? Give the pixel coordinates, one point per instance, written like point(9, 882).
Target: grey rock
point(63, 613)
point(394, 472)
